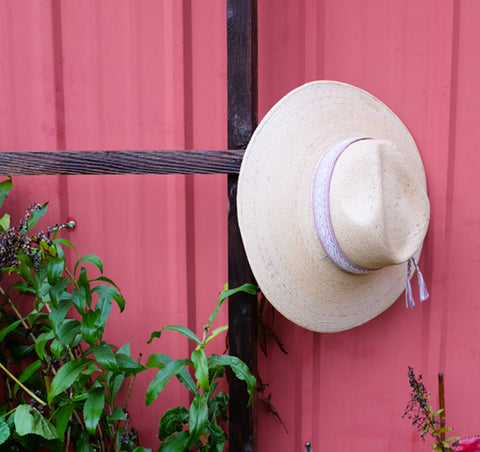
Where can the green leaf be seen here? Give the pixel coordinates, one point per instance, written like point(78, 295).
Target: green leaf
point(41, 341)
point(68, 331)
point(105, 357)
point(36, 215)
point(452, 438)
point(58, 294)
point(66, 376)
point(104, 306)
point(107, 280)
point(199, 360)
point(239, 368)
point(79, 297)
point(160, 360)
point(5, 187)
point(81, 397)
point(24, 287)
point(217, 437)
point(248, 288)
point(9, 329)
point(93, 409)
point(172, 421)
point(57, 316)
point(91, 259)
point(176, 443)
point(34, 316)
point(28, 421)
point(83, 442)
point(142, 449)
point(124, 350)
point(115, 385)
point(85, 284)
point(63, 416)
point(215, 333)
point(90, 369)
point(65, 242)
point(109, 293)
point(155, 334)
point(91, 326)
point(5, 224)
point(25, 269)
point(126, 363)
point(4, 431)
point(57, 348)
point(55, 269)
point(217, 407)
point(179, 329)
point(197, 419)
point(117, 415)
point(27, 373)
point(157, 385)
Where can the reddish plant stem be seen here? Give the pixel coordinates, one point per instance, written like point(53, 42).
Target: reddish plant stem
point(441, 397)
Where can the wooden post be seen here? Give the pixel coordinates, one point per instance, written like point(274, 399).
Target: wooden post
point(441, 398)
point(242, 120)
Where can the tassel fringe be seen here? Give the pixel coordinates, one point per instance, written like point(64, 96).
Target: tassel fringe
point(422, 287)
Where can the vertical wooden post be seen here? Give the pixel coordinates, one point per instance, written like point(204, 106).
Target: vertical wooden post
point(441, 398)
point(242, 120)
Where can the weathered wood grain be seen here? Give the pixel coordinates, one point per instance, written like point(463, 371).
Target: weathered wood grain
point(242, 120)
point(120, 162)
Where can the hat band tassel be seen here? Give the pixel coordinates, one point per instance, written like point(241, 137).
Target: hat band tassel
point(422, 287)
point(408, 293)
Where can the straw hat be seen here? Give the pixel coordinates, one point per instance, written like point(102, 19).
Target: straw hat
point(332, 206)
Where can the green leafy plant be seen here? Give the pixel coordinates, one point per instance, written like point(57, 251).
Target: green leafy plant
point(62, 379)
point(181, 429)
point(424, 417)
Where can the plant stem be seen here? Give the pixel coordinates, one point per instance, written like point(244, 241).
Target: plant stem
point(19, 383)
point(19, 316)
point(67, 441)
point(72, 278)
point(130, 387)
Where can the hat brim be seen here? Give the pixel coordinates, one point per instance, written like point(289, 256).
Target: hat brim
point(275, 206)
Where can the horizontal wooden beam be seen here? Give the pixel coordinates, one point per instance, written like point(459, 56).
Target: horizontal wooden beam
point(120, 162)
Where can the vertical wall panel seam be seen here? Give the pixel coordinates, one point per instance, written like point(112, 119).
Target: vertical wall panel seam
point(11, 139)
point(59, 90)
point(189, 179)
point(450, 182)
point(57, 45)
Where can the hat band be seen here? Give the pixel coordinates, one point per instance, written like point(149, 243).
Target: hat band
point(321, 208)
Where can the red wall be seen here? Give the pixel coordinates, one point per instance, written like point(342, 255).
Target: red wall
point(152, 75)
point(122, 74)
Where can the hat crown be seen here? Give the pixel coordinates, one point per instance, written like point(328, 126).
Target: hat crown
point(379, 209)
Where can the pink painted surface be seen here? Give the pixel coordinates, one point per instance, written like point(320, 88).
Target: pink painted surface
point(348, 391)
point(127, 75)
point(152, 75)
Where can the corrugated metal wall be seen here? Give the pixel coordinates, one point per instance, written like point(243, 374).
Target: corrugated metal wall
point(152, 75)
point(126, 75)
point(348, 391)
